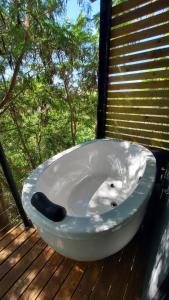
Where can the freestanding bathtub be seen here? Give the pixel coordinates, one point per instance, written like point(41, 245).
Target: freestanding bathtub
point(104, 187)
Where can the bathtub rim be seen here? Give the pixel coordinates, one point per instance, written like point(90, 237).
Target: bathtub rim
point(80, 226)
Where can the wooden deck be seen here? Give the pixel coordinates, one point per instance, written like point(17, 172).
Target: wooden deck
point(30, 269)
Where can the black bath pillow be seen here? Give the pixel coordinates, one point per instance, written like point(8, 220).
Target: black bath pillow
point(47, 208)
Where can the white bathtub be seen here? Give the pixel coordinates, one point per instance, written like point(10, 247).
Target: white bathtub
point(104, 186)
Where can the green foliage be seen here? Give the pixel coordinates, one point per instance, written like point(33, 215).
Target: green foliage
point(53, 102)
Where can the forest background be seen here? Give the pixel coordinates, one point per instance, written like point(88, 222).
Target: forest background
point(48, 85)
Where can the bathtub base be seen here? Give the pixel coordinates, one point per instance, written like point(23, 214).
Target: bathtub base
point(95, 246)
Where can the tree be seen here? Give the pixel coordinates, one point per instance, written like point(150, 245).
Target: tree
point(48, 80)
point(22, 25)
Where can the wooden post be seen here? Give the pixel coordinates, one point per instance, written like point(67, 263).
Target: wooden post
point(105, 26)
point(13, 188)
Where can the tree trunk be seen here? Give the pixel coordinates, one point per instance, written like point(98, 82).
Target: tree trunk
point(9, 93)
point(73, 126)
point(73, 123)
point(14, 115)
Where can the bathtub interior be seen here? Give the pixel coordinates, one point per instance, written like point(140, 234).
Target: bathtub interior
point(94, 178)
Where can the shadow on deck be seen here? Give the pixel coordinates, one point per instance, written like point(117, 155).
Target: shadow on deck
point(30, 269)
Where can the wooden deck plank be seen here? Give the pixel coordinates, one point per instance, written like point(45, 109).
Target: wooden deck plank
point(69, 286)
point(6, 252)
point(11, 277)
point(10, 236)
point(17, 255)
point(89, 280)
point(120, 282)
point(42, 278)
point(104, 282)
point(9, 231)
point(137, 269)
point(33, 270)
point(56, 280)
point(133, 285)
point(43, 253)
